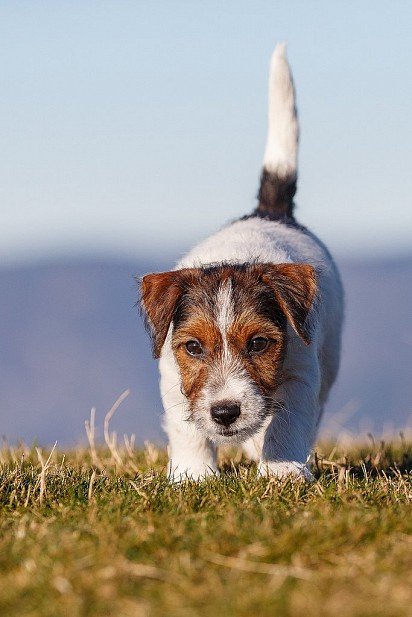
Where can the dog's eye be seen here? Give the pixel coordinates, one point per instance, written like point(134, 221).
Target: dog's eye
point(194, 348)
point(257, 344)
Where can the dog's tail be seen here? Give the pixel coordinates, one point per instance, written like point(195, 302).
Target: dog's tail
point(279, 174)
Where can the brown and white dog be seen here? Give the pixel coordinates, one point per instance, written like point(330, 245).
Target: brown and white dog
point(248, 325)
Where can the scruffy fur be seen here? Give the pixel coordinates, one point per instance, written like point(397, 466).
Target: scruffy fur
point(247, 326)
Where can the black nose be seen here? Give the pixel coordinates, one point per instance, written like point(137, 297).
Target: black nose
point(224, 413)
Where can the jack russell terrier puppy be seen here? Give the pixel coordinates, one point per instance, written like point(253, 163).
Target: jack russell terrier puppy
point(248, 324)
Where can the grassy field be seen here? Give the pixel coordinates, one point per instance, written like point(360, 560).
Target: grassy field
point(102, 533)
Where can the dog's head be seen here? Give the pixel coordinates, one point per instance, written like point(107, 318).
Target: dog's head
point(229, 337)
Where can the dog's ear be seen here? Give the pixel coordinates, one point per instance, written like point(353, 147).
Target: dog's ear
point(294, 286)
point(159, 296)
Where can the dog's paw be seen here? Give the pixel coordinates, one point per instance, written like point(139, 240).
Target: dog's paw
point(285, 469)
point(177, 475)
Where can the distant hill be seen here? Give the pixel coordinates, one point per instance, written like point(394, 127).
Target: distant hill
point(71, 339)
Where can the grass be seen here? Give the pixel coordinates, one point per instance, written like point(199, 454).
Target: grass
point(100, 532)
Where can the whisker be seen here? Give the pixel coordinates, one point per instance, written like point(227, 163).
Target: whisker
point(167, 391)
point(174, 405)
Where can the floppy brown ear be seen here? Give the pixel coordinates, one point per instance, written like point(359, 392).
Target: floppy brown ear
point(159, 296)
point(294, 286)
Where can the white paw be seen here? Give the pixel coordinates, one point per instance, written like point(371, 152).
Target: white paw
point(177, 474)
point(283, 469)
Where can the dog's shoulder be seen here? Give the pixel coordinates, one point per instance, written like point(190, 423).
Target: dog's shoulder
point(256, 239)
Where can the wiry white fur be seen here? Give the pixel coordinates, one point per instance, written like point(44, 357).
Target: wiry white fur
point(225, 314)
point(283, 130)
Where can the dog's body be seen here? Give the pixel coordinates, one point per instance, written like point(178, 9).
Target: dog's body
point(248, 324)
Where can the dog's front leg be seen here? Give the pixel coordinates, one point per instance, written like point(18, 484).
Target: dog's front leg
point(287, 444)
point(191, 456)
point(290, 435)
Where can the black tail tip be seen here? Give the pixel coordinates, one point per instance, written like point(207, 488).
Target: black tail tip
point(276, 196)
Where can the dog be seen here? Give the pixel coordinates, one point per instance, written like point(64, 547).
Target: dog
point(247, 326)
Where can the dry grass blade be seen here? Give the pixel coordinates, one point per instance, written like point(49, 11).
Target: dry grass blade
point(111, 440)
point(90, 432)
point(141, 570)
point(245, 565)
point(129, 443)
point(90, 491)
point(44, 469)
point(151, 453)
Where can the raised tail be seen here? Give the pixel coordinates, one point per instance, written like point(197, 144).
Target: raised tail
point(279, 174)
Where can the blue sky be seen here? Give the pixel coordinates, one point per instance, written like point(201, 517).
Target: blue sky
point(140, 126)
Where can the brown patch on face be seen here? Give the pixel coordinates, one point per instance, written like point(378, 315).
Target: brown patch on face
point(264, 368)
point(195, 370)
